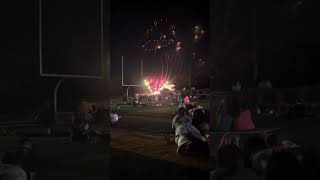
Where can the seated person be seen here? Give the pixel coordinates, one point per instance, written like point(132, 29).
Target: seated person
point(283, 165)
point(243, 121)
point(11, 172)
point(80, 122)
point(23, 157)
point(260, 158)
point(83, 116)
point(252, 145)
point(225, 122)
point(100, 129)
point(187, 137)
point(199, 121)
point(225, 119)
point(80, 125)
point(230, 165)
point(114, 118)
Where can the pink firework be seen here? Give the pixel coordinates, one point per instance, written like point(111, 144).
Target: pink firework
point(155, 85)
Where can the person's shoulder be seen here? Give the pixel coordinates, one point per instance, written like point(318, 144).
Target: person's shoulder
point(11, 172)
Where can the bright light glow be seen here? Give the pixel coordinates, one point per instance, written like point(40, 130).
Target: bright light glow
point(146, 82)
point(169, 86)
point(156, 85)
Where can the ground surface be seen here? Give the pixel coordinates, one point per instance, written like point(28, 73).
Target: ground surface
point(140, 137)
point(142, 130)
point(59, 159)
point(139, 149)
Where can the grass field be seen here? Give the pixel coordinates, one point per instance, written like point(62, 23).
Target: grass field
point(141, 131)
point(140, 135)
point(138, 149)
point(58, 159)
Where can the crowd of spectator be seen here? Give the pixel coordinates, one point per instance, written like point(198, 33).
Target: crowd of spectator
point(261, 158)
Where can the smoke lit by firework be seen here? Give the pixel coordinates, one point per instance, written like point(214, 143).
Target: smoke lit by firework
point(156, 85)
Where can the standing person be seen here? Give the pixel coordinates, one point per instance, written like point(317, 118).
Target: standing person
point(114, 118)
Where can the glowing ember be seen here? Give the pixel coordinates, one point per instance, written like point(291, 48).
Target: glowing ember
point(155, 85)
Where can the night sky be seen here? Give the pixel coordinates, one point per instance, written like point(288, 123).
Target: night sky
point(287, 40)
point(71, 40)
point(130, 21)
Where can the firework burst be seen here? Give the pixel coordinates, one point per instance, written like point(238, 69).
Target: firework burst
point(156, 85)
point(160, 36)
